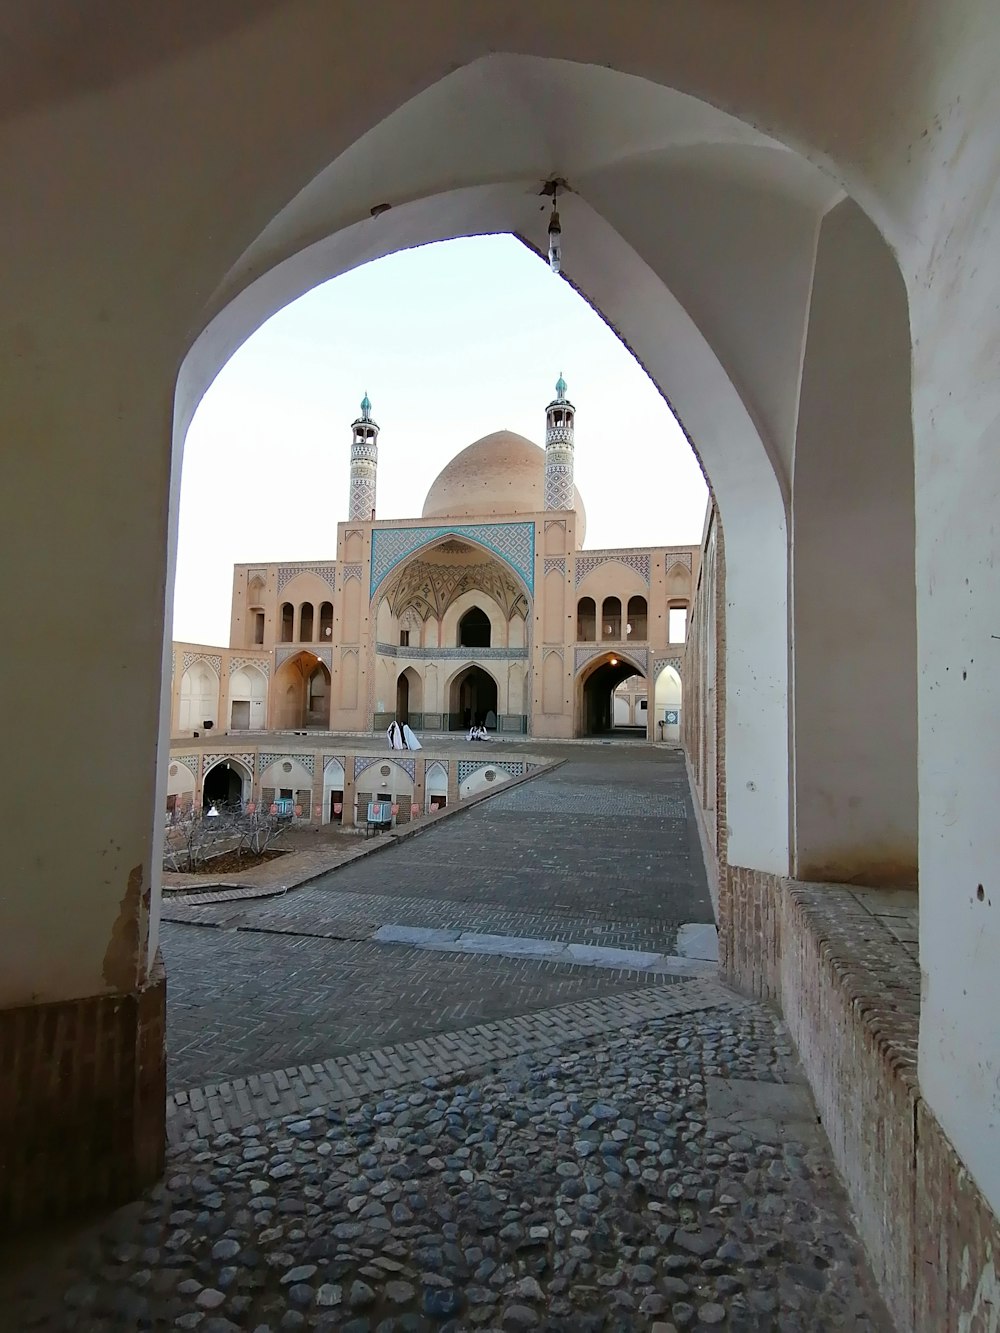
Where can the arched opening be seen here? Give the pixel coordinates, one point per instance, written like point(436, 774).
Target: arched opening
point(667, 705)
point(306, 622)
point(227, 783)
point(597, 692)
point(472, 700)
point(611, 618)
point(247, 700)
point(199, 698)
point(635, 626)
point(586, 620)
point(326, 620)
point(474, 629)
point(435, 787)
point(287, 622)
point(409, 698)
point(300, 694)
point(257, 625)
point(318, 697)
point(333, 791)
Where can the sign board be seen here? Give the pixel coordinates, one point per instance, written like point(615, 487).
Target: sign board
point(285, 807)
point(379, 812)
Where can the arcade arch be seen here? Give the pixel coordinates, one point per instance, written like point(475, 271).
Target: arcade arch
point(247, 699)
point(595, 687)
point(300, 694)
point(227, 782)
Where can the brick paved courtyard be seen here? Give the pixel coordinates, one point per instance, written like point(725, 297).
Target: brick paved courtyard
point(384, 1138)
point(600, 851)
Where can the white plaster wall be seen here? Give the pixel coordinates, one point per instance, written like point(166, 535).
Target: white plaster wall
point(854, 594)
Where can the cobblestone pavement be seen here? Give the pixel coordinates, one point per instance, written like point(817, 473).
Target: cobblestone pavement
point(599, 851)
point(667, 1177)
point(393, 1140)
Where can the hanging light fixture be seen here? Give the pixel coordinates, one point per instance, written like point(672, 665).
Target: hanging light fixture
point(555, 237)
point(552, 188)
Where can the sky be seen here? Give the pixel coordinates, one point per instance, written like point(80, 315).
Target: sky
point(451, 342)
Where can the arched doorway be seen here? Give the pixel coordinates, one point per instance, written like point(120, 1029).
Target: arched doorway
point(409, 698)
point(667, 705)
point(300, 694)
point(596, 695)
point(474, 629)
point(226, 784)
point(473, 697)
point(247, 700)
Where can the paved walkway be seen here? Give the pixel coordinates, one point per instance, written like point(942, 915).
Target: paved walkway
point(372, 1137)
point(597, 852)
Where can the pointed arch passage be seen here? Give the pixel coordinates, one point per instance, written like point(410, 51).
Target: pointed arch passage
point(472, 699)
point(595, 693)
point(474, 629)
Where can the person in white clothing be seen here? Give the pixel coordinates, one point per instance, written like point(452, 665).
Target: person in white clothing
point(395, 737)
point(409, 738)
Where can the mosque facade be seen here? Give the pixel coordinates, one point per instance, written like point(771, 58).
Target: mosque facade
point(484, 609)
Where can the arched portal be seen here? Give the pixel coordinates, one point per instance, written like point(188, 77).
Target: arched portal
point(595, 693)
point(472, 698)
point(227, 783)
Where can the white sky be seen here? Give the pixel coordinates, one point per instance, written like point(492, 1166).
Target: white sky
point(451, 342)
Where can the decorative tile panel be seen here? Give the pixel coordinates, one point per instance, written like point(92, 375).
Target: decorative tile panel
point(676, 558)
point(213, 660)
point(639, 657)
point(307, 761)
point(468, 766)
point(209, 761)
point(472, 654)
point(188, 760)
point(555, 562)
point(637, 561)
point(363, 762)
point(288, 572)
point(261, 663)
point(353, 572)
point(514, 543)
point(660, 662)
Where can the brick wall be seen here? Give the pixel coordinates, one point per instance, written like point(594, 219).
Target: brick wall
point(82, 1103)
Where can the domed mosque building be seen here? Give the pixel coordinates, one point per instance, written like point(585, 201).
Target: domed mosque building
point(485, 609)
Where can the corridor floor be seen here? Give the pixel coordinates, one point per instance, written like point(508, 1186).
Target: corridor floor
point(385, 1138)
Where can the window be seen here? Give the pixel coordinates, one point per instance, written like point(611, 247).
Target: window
point(677, 623)
point(306, 622)
point(287, 620)
point(636, 623)
point(586, 620)
point(404, 638)
point(474, 629)
point(643, 705)
point(326, 620)
point(257, 624)
point(611, 618)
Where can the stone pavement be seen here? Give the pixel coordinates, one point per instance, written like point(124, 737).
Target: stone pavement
point(378, 1138)
point(598, 852)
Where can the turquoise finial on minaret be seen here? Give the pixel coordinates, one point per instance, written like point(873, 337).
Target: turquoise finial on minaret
point(560, 388)
point(364, 463)
point(366, 408)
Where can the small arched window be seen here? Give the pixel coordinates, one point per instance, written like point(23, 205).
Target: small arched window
point(287, 621)
point(611, 618)
point(586, 620)
point(306, 622)
point(326, 620)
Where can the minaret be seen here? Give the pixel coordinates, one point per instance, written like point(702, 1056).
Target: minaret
point(559, 492)
point(364, 462)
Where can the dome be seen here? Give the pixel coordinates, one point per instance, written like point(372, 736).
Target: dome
point(500, 474)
